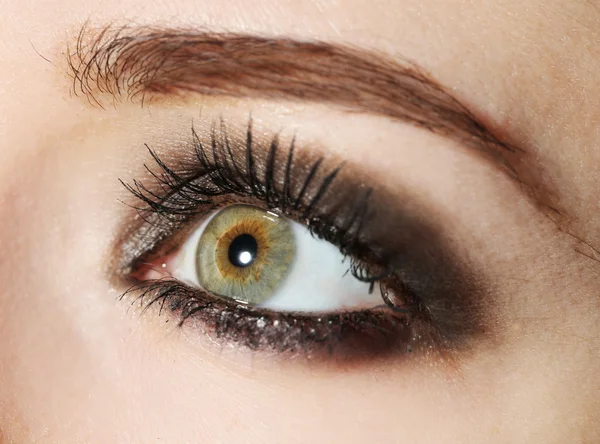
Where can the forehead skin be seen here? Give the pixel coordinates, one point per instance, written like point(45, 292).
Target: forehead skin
point(529, 68)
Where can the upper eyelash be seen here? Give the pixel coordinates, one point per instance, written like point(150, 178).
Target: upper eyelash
point(227, 177)
point(184, 194)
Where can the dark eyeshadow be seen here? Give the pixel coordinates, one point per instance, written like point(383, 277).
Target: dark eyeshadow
point(429, 294)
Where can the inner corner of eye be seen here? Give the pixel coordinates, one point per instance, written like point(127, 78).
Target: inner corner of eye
point(256, 257)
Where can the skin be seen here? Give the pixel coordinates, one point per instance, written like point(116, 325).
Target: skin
point(78, 365)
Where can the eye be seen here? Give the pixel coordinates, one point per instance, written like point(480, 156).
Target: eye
point(269, 249)
point(260, 258)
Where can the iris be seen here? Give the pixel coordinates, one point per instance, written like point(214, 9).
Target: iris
point(245, 253)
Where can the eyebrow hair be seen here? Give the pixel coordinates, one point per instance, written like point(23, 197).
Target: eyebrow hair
point(146, 63)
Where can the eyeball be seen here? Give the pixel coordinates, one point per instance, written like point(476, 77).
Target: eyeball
point(259, 258)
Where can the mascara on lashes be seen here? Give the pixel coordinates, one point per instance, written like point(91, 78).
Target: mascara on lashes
point(336, 207)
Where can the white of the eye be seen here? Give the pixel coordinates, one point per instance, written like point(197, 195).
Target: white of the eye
point(184, 265)
point(319, 280)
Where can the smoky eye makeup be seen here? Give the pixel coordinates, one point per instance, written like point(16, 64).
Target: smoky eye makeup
point(261, 242)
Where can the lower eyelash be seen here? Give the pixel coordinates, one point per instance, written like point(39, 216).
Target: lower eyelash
point(349, 336)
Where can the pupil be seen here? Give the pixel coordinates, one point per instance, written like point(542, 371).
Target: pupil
point(243, 250)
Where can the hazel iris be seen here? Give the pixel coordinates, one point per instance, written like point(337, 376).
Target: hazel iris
point(245, 253)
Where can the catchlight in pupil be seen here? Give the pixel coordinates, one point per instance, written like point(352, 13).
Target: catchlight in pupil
point(243, 250)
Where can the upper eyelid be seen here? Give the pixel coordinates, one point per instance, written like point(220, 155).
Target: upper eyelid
point(224, 157)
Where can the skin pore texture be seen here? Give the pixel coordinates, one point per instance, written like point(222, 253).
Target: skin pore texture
point(78, 364)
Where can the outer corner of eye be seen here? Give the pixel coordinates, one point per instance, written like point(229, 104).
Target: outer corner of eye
point(259, 258)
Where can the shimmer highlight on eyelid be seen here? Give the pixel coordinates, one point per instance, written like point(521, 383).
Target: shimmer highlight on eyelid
point(338, 202)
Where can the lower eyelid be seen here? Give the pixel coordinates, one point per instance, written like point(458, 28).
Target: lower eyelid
point(347, 337)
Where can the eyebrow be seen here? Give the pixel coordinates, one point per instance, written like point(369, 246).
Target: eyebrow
point(146, 63)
